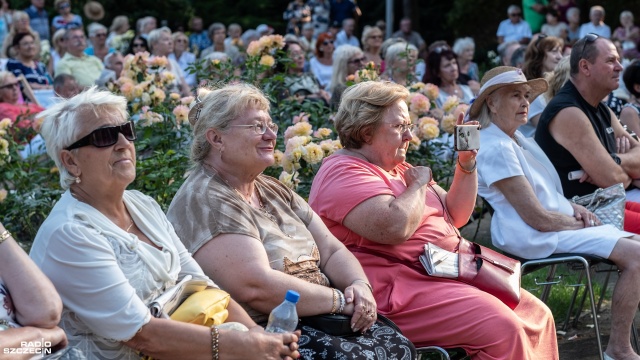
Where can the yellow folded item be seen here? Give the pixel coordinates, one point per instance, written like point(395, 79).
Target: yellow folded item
point(207, 307)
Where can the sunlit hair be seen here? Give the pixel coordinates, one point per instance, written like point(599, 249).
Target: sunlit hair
point(215, 27)
point(5, 76)
point(368, 32)
point(320, 42)
point(61, 122)
point(107, 58)
point(155, 34)
point(626, 13)
point(55, 39)
point(179, 35)
point(216, 109)
point(557, 78)
point(119, 23)
point(463, 44)
point(396, 52)
point(535, 54)
point(93, 28)
point(363, 108)
point(341, 64)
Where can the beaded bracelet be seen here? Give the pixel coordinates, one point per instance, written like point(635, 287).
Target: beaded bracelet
point(342, 302)
point(215, 336)
point(475, 165)
point(364, 282)
point(334, 306)
point(4, 236)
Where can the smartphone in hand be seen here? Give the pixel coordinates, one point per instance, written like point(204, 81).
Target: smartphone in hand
point(466, 137)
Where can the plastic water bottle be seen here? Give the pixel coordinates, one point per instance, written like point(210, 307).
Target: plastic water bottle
point(284, 318)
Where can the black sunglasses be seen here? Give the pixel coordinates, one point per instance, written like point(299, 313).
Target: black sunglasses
point(540, 37)
point(588, 39)
point(106, 136)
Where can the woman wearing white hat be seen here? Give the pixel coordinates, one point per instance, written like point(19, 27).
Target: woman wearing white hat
point(532, 217)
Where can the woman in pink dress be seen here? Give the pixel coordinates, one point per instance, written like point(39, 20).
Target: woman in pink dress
point(385, 210)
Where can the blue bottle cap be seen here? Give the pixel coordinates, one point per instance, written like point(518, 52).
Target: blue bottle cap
point(292, 296)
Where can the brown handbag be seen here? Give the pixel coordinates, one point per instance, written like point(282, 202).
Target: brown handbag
point(489, 271)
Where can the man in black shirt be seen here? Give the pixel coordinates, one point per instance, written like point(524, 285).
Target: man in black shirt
point(578, 132)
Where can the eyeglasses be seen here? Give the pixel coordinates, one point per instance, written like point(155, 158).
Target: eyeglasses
point(327, 42)
point(375, 37)
point(100, 35)
point(515, 14)
point(403, 127)
point(540, 37)
point(182, 40)
point(588, 39)
point(138, 44)
point(28, 43)
point(358, 60)
point(261, 128)
point(106, 136)
point(9, 86)
point(64, 6)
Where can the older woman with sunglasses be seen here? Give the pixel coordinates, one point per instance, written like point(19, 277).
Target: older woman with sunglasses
point(110, 251)
point(98, 36)
point(10, 105)
point(322, 64)
point(257, 238)
point(347, 61)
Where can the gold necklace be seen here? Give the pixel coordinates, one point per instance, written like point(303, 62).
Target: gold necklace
point(75, 196)
point(130, 225)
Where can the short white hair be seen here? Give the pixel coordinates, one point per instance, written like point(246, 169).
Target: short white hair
point(154, 35)
point(107, 58)
point(60, 122)
point(462, 44)
point(512, 8)
point(93, 28)
point(596, 8)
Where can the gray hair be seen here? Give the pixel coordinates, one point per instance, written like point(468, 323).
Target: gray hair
point(107, 58)
point(462, 44)
point(596, 8)
point(572, 11)
point(214, 27)
point(394, 52)
point(216, 109)
point(626, 13)
point(340, 64)
point(512, 8)
point(60, 126)
point(154, 35)
point(142, 22)
point(94, 27)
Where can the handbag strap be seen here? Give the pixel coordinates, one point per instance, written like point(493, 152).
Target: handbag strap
point(410, 264)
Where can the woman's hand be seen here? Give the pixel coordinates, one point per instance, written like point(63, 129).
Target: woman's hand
point(361, 305)
point(419, 174)
point(587, 217)
point(623, 145)
point(467, 159)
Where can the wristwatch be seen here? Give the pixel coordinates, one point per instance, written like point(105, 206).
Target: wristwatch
point(616, 158)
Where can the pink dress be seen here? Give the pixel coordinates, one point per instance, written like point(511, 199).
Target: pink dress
point(428, 310)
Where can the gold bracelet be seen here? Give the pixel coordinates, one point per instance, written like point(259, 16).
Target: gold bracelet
point(215, 336)
point(364, 282)
point(475, 165)
point(4, 236)
point(334, 306)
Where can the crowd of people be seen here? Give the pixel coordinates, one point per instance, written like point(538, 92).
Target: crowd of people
point(566, 99)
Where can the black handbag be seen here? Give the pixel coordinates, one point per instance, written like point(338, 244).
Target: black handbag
point(332, 324)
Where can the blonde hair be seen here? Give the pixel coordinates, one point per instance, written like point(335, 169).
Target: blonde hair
point(216, 109)
point(557, 78)
point(60, 126)
point(395, 52)
point(340, 64)
point(368, 32)
point(118, 23)
point(363, 108)
point(154, 36)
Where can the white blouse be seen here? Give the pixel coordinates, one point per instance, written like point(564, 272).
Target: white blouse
point(105, 276)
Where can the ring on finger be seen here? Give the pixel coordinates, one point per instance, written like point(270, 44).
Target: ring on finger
point(592, 223)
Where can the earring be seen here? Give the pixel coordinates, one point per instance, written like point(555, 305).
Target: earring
point(78, 181)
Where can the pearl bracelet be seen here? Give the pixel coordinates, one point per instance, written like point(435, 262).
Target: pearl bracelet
point(215, 337)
